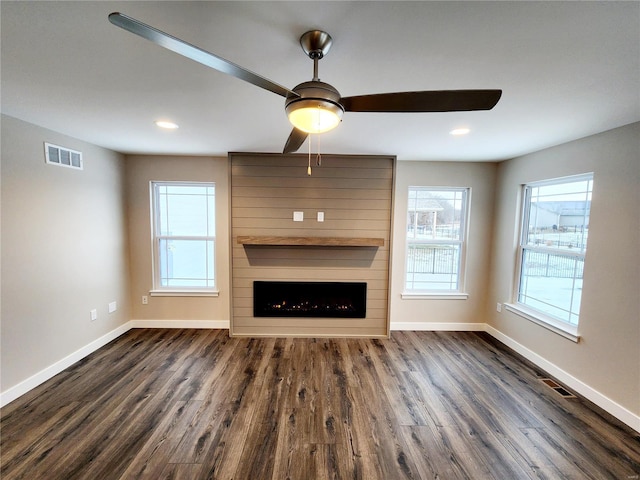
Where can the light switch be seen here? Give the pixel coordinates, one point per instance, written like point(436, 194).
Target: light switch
point(298, 216)
point(321, 216)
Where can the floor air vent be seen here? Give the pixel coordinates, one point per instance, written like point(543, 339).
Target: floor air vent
point(65, 157)
point(563, 392)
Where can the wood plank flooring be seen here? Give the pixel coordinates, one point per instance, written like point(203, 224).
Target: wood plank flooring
point(196, 404)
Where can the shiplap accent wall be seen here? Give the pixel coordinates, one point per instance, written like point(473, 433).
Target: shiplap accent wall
point(354, 192)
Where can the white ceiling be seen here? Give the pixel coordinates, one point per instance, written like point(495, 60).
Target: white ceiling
point(567, 70)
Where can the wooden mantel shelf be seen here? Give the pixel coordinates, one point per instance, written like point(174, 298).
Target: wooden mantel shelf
point(311, 241)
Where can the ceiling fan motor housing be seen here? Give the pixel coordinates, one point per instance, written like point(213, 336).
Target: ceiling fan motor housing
point(315, 94)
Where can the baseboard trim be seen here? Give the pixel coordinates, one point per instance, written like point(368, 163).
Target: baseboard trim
point(207, 324)
point(42, 376)
point(604, 402)
point(439, 326)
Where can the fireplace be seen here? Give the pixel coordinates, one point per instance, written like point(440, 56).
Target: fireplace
point(310, 299)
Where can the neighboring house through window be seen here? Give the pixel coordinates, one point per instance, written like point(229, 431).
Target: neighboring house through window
point(436, 236)
point(183, 237)
point(553, 244)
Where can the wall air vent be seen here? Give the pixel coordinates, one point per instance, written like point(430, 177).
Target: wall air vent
point(65, 157)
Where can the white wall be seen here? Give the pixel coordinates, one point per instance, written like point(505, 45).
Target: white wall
point(606, 361)
point(64, 250)
point(444, 314)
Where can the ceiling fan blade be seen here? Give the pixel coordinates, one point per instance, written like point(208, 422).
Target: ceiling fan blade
point(194, 53)
point(429, 101)
point(295, 140)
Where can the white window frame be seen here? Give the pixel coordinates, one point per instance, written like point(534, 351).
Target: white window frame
point(156, 238)
point(434, 294)
point(560, 326)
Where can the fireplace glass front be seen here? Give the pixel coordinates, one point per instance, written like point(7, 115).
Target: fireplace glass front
point(310, 299)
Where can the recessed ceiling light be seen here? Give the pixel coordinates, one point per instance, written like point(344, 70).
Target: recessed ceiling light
point(166, 124)
point(459, 131)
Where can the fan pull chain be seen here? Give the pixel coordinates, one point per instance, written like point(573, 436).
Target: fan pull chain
point(309, 167)
point(318, 155)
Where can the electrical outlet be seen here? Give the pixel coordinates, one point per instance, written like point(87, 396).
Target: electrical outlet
point(145, 300)
point(94, 314)
point(113, 306)
point(499, 307)
point(321, 216)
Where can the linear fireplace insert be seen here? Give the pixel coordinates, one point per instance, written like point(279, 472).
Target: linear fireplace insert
point(310, 299)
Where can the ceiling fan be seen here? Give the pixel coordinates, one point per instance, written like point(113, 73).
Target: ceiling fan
point(315, 106)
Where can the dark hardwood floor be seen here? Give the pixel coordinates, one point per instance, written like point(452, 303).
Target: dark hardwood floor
point(196, 404)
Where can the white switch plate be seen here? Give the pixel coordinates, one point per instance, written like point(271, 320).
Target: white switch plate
point(113, 306)
point(321, 216)
point(298, 216)
point(499, 307)
point(94, 314)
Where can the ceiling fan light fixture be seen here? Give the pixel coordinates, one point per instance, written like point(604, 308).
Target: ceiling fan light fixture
point(313, 115)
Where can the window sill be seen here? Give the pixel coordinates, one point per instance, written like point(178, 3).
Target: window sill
point(184, 293)
point(433, 296)
point(567, 331)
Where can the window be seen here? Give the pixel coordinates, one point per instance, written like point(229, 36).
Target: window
point(183, 236)
point(555, 228)
point(436, 223)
